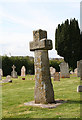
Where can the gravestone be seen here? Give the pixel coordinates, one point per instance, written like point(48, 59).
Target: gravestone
point(52, 71)
point(8, 79)
point(43, 87)
point(23, 70)
point(64, 70)
point(75, 71)
point(78, 72)
point(14, 73)
point(79, 69)
point(1, 73)
point(57, 76)
point(0, 77)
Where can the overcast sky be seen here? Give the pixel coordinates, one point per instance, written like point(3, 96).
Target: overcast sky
point(18, 19)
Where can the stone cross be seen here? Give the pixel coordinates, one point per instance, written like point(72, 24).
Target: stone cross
point(43, 87)
point(14, 73)
point(13, 67)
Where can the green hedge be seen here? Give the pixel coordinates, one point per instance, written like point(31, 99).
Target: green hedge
point(8, 62)
point(28, 62)
point(55, 64)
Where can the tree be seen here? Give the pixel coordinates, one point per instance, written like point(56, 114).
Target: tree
point(67, 41)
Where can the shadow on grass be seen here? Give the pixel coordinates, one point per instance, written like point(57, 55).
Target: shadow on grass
point(74, 101)
point(41, 119)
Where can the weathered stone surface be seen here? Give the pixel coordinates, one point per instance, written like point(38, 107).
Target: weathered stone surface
point(43, 44)
point(64, 70)
point(79, 69)
point(75, 71)
point(23, 70)
point(52, 71)
point(1, 72)
point(78, 72)
point(57, 76)
point(14, 73)
point(43, 87)
point(8, 79)
point(79, 88)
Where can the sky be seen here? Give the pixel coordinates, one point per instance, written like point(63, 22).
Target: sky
point(18, 19)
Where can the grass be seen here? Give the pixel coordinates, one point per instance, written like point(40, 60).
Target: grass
point(15, 94)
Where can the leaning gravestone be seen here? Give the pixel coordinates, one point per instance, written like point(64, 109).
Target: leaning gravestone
point(14, 73)
point(23, 70)
point(64, 70)
point(43, 87)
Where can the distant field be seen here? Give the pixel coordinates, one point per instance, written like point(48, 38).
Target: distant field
point(15, 94)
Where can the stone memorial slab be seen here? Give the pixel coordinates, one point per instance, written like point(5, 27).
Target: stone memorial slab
point(23, 70)
point(52, 71)
point(75, 71)
point(57, 76)
point(0, 77)
point(64, 70)
point(14, 73)
point(80, 69)
point(8, 79)
point(1, 72)
point(43, 87)
point(78, 65)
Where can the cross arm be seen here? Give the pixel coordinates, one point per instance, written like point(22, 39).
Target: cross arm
point(43, 44)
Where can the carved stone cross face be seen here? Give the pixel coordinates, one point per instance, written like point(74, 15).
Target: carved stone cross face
point(40, 41)
point(13, 67)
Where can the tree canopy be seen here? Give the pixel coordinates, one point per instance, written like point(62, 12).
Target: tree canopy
point(68, 41)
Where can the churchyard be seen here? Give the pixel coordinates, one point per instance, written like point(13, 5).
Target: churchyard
point(15, 94)
point(48, 93)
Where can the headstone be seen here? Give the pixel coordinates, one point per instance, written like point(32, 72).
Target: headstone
point(64, 70)
point(43, 87)
point(71, 72)
point(80, 69)
point(75, 71)
point(8, 79)
point(79, 88)
point(78, 65)
point(0, 77)
point(52, 71)
point(23, 70)
point(57, 76)
point(14, 73)
point(1, 72)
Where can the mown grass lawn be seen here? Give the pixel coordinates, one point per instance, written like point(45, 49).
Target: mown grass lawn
point(15, 94)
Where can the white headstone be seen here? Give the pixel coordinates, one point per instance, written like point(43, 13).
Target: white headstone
point(23, 70)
